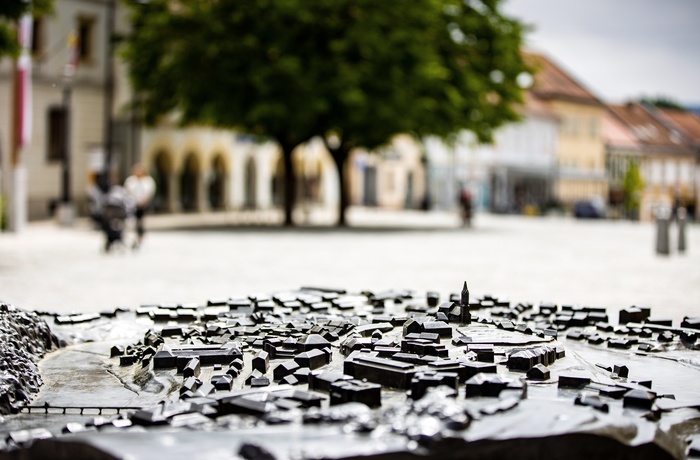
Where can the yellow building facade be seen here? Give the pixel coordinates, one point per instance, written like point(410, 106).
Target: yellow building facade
point(581, 152)
point(581, 149)
point(392, 177)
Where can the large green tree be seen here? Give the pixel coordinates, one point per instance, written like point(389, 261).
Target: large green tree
point(355, 72)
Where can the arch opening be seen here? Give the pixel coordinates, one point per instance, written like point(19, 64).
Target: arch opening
point(217, 183)
point(189, 183)
point(250, 198)
point(161, 169)
point(278, 183)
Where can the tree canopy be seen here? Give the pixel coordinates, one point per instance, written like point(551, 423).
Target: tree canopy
point(357, 72)
point(663, 102)
point(10, 12)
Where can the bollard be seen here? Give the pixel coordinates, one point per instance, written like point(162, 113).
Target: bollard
point(682, 217)
point(662, 237)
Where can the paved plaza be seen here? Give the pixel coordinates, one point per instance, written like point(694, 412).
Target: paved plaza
point(190, 258)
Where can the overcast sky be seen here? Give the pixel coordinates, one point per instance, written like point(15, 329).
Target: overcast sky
point(620, 49)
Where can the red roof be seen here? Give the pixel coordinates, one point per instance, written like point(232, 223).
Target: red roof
point(616, 133)
point(688, 123)
point(552, 82)
point(535, 106)
point(646, 127)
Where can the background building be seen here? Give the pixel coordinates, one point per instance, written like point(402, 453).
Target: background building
point(687, 124)
point(581, 149)
point(392, 177)
point(553, 158)
point(667, 163)
point(515, 174)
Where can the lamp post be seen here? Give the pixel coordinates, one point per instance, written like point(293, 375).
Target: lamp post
point(66, 101)
point(66, 209)
point(109, 91)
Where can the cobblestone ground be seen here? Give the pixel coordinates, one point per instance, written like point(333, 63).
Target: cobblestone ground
point(192, 258)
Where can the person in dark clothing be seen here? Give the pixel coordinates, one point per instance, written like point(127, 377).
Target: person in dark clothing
point(117, 206)
point(465, 203)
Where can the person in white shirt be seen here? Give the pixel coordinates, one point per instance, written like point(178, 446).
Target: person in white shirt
point(142, 188)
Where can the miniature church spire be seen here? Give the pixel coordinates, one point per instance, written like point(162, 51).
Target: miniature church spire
point(465, 295)
point(464, 316)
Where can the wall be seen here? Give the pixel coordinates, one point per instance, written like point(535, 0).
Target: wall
point(581, 152)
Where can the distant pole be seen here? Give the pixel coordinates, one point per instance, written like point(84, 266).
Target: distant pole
point(66, 210)
point(426, 180)
point(454, 193)
point(109, 91)
point(681, 219)
point(662, 236)
point(67, 94)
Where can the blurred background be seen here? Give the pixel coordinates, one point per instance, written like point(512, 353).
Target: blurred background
point(540, 150)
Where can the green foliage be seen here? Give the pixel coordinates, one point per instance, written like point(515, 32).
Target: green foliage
point(10, 12)
point(633, 184)
point(663, 102)
point(363, 69)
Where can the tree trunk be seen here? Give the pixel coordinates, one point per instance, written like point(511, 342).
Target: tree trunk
point(340, 156)
point(289, 185)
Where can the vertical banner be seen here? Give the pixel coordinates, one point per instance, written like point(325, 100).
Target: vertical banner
point(16, 189)
point(24, 82)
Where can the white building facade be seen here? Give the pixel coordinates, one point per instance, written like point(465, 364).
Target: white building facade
point(515, 172)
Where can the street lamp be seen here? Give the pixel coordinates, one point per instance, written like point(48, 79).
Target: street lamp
point(109, 90)
point(66, 210)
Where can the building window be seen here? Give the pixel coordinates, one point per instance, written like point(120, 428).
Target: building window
point(86, 39)
point(565, 125)
point(593, 127)
point(669, 173)
point(570, 126)
point(57, 132)
point(38, 37)
point(685, 173)
point(657, 173)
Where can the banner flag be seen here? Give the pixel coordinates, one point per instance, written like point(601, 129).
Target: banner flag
point(24, 81)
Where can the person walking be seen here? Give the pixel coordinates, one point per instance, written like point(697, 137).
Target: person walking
point(142, 189)
point(465, 202)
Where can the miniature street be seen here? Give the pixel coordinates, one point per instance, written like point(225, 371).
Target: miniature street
point(188, 258)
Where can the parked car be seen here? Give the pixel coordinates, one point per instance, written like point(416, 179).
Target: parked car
point(589, 209)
